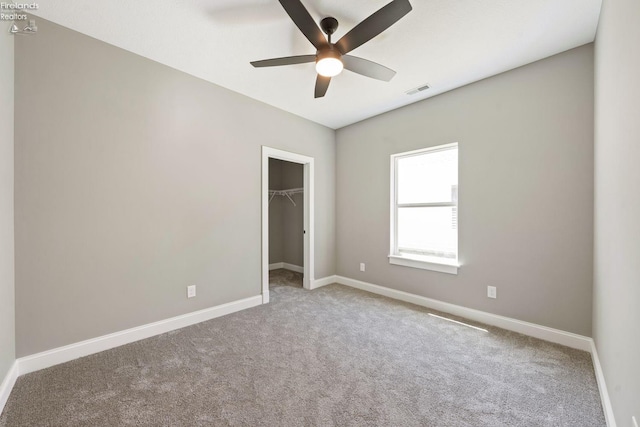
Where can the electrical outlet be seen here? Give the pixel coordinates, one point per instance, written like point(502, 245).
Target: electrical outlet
point(635, 423)
point(191, 291)
point(362, 266)
point(492, 292)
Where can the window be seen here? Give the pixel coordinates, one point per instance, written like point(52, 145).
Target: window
point(424, 209)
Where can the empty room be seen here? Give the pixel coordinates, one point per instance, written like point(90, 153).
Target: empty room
point(320, 213)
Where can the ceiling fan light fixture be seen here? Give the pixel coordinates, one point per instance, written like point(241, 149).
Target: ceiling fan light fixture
point(329, 67)
point(329, 62)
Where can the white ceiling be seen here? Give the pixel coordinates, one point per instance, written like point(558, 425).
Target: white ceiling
point(445, 43)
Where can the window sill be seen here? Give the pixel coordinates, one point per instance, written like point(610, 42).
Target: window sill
point(426, 263)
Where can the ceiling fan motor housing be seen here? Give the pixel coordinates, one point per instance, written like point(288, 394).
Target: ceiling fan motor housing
point(329, 51)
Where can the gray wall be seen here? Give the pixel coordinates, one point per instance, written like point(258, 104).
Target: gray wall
point(286, 221)
point(616, 314)
point(134, 180)
point(293, 216)
point(7, 325)
point(526, 192)
point(275, 213)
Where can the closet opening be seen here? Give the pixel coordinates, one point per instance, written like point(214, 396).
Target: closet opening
point(287, 220)
point(286, 223)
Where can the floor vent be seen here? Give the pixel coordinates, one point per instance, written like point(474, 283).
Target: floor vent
point(418, 89)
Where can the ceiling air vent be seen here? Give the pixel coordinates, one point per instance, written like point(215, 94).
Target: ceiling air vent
point(418, 89)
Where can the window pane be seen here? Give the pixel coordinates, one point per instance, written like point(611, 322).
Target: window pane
point(428, 178)
point(428, 231)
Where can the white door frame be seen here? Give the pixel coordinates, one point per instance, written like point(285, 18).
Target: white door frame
point(309, 224)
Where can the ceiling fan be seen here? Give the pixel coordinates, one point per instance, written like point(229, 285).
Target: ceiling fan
point(331, 58)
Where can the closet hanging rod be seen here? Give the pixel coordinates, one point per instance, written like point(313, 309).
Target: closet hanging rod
point(285, 193)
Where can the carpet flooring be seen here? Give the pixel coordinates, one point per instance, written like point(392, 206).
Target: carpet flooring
point(334, 356)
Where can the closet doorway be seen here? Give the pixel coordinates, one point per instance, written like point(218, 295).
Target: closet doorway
point(291, 190)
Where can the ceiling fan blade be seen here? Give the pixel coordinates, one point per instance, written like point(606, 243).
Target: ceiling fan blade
point(303, 20)
point(322, 84)
point(287, 60)
point(367, 68)
point(373, 25)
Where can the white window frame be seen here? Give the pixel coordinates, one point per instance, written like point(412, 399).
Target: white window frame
point(442, 265)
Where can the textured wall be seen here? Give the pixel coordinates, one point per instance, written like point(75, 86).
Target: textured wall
point(526, 192)
point(616, 314)
point(7, 325)
point(134, 180)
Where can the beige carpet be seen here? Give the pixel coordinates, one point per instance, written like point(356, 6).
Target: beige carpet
point(334, 356)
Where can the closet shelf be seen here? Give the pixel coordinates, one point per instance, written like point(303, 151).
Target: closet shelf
point(285, 193)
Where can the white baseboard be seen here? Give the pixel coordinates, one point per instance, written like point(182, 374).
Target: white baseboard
point(7, 385)
point(276, 266)
point(286, 266)
point(602, 386)
point(318, 283)
point(568, 339)
point(84, 348)
point(293, 267)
